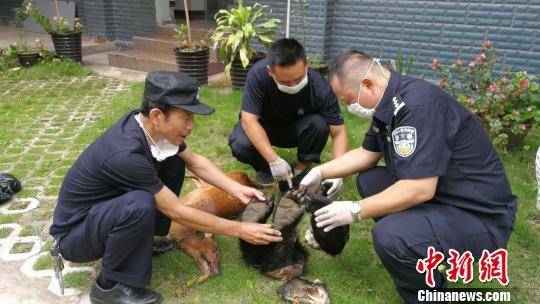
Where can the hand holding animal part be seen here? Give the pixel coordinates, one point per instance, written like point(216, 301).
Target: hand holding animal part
point(247, 194)
point(277, 260)
point(331, 242)
point(312, 182)
point(335, 187)
point(258, 234)
point(281, 170)
point(334, 215)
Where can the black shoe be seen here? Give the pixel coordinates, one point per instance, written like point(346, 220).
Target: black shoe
point(161, 246)
point(264, 178)
point(123, 294)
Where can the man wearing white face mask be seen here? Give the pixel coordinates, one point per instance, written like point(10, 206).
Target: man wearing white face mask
point(123, 189)
point(287, 104)
point(443, 184)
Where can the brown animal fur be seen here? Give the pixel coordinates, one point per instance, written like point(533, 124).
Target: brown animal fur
point(204, 251)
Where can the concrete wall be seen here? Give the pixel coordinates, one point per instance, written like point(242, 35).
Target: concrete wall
point(5, 10)
point(425, 29)
point(47, 8)
point(118, 19)
point(443, 29)
point(317, 24)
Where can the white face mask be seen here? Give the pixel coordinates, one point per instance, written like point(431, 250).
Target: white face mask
point(161, 150)
point(292, 90)
point(356, 108)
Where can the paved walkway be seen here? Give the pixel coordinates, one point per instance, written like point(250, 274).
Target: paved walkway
point(9, 35)
point(44, 144)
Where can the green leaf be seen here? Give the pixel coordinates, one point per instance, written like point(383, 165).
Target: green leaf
point(191, 282)
point(239, 26)
point(264, 39)
point(233, 41)
point(228, 69)
point(216, 38)
point(244, 57)
point(223, 52)
point(270, 24)
point(409, 65)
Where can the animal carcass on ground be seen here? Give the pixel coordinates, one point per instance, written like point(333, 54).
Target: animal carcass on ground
point(204, 249)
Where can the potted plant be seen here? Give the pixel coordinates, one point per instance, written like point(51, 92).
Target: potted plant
point(8, 57)
point(318, 64)
point(507, 104)
point(192, 57)
point(235, 31)
point(26, 55)
point(66, 38)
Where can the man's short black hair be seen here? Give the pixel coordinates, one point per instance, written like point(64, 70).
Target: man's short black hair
point(285, 52)
point(148, 105)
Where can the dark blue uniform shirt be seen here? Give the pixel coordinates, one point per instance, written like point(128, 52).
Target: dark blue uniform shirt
point(119, 161)
point(263, 98)
point(424, 132)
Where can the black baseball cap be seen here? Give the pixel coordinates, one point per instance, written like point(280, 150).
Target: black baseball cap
point(175, 89)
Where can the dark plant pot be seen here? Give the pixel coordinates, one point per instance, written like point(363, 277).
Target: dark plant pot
point(515, 141)
point(193, 63)
point(239, 73)
point(68, 46)
point(321, 69)
point(28, 59)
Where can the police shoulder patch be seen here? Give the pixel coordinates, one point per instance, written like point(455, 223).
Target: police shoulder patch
point(404, 139)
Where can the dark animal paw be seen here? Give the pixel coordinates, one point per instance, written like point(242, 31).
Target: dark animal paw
point(258, 211)
point(287, 213)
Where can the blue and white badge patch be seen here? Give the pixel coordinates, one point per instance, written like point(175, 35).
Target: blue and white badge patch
point(404, 139)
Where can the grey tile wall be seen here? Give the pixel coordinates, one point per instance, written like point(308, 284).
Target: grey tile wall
point(425, 29)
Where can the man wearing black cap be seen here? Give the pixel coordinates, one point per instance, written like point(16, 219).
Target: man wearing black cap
point(123, 189)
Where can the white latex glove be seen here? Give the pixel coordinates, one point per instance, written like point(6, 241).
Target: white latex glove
point(281, 170)
point(335, 190)
point(312, 181)
point(310, 239)
point(334, 215)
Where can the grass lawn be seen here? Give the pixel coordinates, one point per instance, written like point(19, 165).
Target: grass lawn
point(57, 117)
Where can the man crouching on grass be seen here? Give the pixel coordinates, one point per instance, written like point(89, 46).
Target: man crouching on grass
point(123, 189)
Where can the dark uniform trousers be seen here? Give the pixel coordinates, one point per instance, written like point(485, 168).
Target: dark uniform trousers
point(121, 231)
point(309, 133)
point(401, 238)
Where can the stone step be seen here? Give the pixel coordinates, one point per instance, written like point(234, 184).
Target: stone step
point(91, 46)
point(142, 61)
point(159, 46)
point(146, 61)
point(154, 45)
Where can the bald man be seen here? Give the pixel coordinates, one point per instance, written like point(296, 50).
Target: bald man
point(443, 184)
